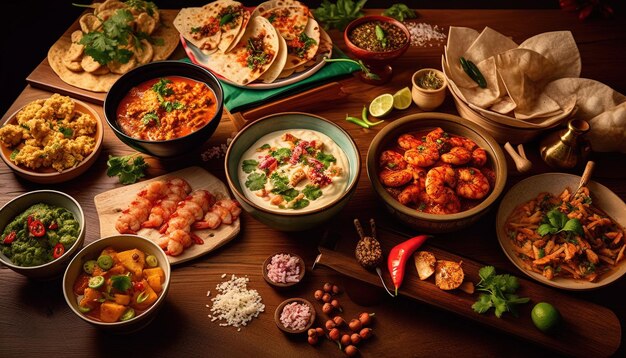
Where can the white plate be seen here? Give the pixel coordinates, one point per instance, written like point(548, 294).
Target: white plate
point(110, 203)
point(555, 183)
point(200, 58)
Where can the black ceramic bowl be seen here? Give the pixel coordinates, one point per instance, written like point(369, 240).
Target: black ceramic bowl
point(172, 147)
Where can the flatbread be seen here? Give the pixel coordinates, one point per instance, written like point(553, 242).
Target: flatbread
point(102, 83)
point(276, 68)
point(231, 31)
point(189, 20)
point(312, 30)
point(233, 65)
point(268, 5)
point(290, 21)
point(325, 49)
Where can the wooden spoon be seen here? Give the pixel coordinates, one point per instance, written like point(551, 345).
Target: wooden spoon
point(584, 179)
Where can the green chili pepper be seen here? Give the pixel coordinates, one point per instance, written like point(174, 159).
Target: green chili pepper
point(142, 296)
point(226, 19)
point(380, 36)
point(473, 72)
point(357, 121)
point(364, 117)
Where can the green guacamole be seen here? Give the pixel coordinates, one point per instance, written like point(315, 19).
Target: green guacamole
point(27, 249)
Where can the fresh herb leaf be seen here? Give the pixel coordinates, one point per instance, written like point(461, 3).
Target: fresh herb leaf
point(312, 192)
point(556, 222)
point(302, 203)
point(271, 18)
point(340, 14)
point(380, 36)
point(14, 154)
point(67, 132)
point(326, 159)
point(162, 89)
point(25, 126)
point(281, 154)
point(128, 168)
point(142, 6)
point(249, 165)
point(499, 292)
point(279, 183)
point(256, 181)
point(121, 282)
point(150, 118)
point(265, 146)
point(400, 12)
point(195, 29)
point(228, 17)
point(170, 106)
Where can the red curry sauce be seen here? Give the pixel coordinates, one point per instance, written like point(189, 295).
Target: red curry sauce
point(166, 108)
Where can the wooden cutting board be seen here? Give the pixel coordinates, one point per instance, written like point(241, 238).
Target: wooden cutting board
point(110, 203)
point(587, 329)
point(44, 77)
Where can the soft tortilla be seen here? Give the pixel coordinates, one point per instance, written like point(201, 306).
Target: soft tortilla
point(559, 47)
point(277, 66)
point(192, 17)
point(290, 21)
point(268, 5)
point(229, 65)
point(231, 32)
point(312, 30)
point(102, 83)
point(325, 49)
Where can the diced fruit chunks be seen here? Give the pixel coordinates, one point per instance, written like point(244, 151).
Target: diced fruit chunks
point(133, 260)
point(154, 271)
point(90, 299)
point(122, 299)
point(152, 297)
point(111, 312)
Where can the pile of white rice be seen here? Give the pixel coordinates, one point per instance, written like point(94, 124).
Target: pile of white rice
point(295, 316)
point(235, 304)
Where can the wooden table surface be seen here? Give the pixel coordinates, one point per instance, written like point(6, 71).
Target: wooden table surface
point(35, 320)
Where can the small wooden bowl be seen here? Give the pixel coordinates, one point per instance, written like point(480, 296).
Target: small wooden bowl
point(280, 285)
point(49, 175)
point(280, 308)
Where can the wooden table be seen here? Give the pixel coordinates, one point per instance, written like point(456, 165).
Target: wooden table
point(35, 320)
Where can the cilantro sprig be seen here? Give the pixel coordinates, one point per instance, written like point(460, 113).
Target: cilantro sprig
point(556, 222)
point(499, 292)
point(128, 168)
point(400, 12)
point(121, 283)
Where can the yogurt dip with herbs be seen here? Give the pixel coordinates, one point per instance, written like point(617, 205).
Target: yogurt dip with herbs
point(293, 170)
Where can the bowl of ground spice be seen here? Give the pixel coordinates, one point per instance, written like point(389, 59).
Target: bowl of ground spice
point(429, 88)
point(377, 41)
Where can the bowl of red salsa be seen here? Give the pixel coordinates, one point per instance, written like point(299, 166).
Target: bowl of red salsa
point(165, 108)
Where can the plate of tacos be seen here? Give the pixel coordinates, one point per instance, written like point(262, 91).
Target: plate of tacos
point(273, 45)
point(113, 39)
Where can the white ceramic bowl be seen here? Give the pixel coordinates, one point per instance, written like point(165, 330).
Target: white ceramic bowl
point(120, 243)
point(555, 183)
point(16, 206)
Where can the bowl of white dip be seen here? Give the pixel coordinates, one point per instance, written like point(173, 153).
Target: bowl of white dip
point(293, 171)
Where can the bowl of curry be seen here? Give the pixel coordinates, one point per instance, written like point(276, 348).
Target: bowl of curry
point(165, 108)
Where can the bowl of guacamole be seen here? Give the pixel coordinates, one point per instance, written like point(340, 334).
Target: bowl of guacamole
point(40, 231)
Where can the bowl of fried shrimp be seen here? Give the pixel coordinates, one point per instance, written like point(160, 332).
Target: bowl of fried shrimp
point(436, 172)
point(573, 240)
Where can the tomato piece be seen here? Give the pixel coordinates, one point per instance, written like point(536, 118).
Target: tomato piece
point(138, 286)
point(58, 250)
point(53, 226)
point(37, 228)
point(29, 220)
point(9, 238)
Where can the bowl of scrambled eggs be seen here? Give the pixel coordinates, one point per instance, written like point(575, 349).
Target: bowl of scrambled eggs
point(51, 140)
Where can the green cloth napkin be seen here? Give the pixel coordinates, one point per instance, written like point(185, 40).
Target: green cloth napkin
point(237, 99)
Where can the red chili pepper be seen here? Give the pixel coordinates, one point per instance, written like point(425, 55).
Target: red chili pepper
point(53, 226)
point(9, 238)
point(138, 286)
point(58, 250)
point(37, 228)
point(29, 219)
point(398, 256)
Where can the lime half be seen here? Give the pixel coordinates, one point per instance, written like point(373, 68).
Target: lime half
point(381, 105)
point(402, 99)
point(545, 316)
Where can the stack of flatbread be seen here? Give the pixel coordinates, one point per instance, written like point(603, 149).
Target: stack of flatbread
point(278, 38)
point(73, 65)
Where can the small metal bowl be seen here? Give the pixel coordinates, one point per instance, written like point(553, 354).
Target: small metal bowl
point(280, 308)
point(281, 285)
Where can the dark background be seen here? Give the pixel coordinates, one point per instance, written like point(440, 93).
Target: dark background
point(30, 27)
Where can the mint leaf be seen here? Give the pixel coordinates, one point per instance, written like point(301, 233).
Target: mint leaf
point(256, 181)
point(249, 165)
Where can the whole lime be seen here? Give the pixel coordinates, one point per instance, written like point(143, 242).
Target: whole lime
point(545, 316)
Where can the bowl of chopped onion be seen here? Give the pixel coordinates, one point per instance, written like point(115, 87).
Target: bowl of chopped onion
point(295, 315)
point(283, 270)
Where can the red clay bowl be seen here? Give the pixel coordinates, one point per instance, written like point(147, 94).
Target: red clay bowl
point(374, 58)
